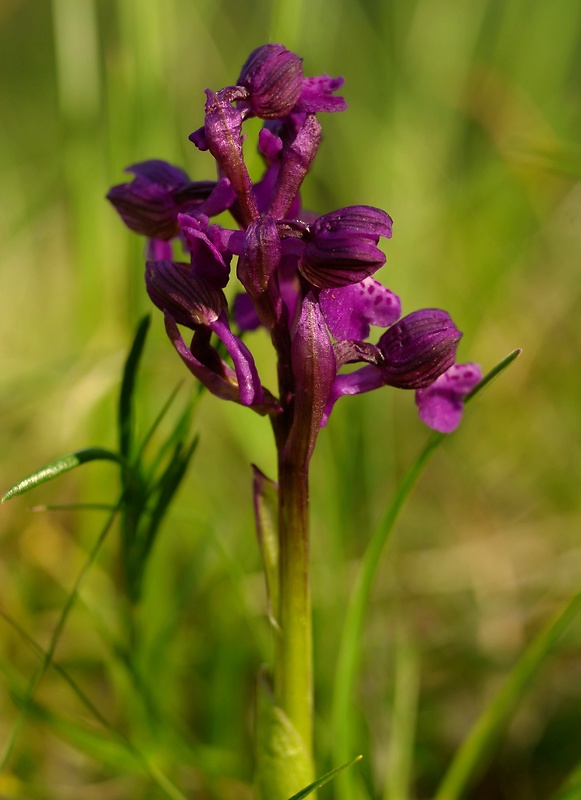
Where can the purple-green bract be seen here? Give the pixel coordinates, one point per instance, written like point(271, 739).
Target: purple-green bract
point(307, 279)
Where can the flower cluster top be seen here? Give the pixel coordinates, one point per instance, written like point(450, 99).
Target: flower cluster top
point(307, 279)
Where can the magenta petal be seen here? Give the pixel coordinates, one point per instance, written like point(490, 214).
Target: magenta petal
point(249, 384)
point(147, 205)
point(208, 262)
point(244, 314)
point(317, 94)
point(358, 382)
point(350, 310)
point(222, 385)
point(174, 288)
point(356, 221)
point(440, 405)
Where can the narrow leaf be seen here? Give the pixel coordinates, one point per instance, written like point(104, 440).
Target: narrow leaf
point(128, 388)
point(324, 779)
point(265, 494)
point(168, 485)
point(56, 468)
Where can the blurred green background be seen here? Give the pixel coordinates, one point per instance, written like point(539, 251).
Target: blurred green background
point(463, 124)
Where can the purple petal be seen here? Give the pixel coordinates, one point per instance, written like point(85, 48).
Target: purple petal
point(359, 221)
point(317, 94)
point(419, 348)
point(249, 384)
point(350, 310)
point(269, 144)
point(335, 262)
point(342, 247)
point(148, 205)
point(208, 263)
point(175, 289)
point(358, 382)
point(440, 405)
point(244, 313)
point(198, 137)
point(222, 384)
point(218, 200)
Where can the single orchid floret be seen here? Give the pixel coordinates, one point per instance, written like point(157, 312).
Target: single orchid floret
point(273, 77)
point(151, 202)
point(187, 300)
point(342, 246)
point(441, 404)
point(413, 353)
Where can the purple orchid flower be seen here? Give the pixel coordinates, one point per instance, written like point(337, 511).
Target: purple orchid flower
point(411, 354)
point(151, 202)
point(308, 280)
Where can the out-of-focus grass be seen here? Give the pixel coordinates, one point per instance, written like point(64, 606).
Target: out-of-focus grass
point(463, 124)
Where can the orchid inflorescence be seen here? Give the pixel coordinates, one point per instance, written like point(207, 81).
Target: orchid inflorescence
point(306, 279)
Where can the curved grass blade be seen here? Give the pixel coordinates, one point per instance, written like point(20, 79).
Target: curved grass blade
point(477, 747)
point(56, 468)
point(48, 658)
point(324, 779)
point(168, 485)
point(350, 643)
point(126, 410)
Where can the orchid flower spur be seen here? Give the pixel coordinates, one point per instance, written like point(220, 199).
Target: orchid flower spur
point(308, 281)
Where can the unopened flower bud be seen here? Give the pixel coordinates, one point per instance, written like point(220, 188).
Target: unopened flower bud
point(419, 348)
point(273, 77)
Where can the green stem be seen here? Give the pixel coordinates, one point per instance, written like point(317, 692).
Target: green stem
point(293, 665)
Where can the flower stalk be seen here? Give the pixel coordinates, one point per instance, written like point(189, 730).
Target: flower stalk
point(293, 672)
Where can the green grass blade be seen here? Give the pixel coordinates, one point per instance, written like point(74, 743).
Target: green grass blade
point(128, 388)
point(478, 745)
point(324, 779)
point(168, 485)
point(47, 661)
point(399, 767)
point(58, 467)
point(349, 649)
